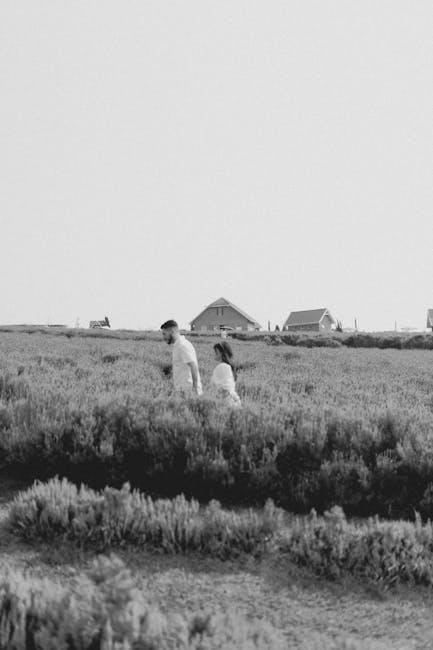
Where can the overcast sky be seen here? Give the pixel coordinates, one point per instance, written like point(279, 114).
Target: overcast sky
point(155, 156)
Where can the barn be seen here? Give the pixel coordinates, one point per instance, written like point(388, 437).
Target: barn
point(310, 320)
point(430, 319)
point(223, 314)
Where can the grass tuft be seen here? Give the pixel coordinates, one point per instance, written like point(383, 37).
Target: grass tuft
point(60, 510)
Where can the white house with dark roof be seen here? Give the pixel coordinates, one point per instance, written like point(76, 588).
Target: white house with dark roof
point(312, 320)
point(430, 319)
point(223, 314)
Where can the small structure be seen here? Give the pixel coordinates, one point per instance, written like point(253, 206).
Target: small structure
point(311, 320)
point(430, 319)
point(223, 315)
point(98, 324)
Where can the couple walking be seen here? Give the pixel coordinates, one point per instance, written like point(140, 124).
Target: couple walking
point(186, 375)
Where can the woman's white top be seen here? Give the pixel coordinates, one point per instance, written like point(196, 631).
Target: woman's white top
point(222, 377)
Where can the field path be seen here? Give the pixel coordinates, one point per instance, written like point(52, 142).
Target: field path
point(292, 599)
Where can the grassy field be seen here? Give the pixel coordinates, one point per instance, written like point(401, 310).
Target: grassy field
point(319, 427)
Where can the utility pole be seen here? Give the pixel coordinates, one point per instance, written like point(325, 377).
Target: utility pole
point(356, 324)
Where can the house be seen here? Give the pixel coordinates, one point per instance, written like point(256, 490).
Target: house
point(313, 320)
point(430, 319)
point(223, 314)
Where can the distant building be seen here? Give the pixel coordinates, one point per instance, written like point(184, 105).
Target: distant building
point(223, 314)
point(312, 320)
point(99, 324)
point(430, 319)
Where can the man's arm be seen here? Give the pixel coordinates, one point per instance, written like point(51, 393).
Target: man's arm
point(194, 374)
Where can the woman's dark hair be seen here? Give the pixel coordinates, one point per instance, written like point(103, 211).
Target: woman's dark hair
point(226, 352)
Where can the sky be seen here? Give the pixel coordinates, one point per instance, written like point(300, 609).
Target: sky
point(155, 156)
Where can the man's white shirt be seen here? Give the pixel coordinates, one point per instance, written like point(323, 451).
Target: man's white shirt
point(184, 353)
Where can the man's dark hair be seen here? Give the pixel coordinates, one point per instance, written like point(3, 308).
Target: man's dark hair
point(168, 324)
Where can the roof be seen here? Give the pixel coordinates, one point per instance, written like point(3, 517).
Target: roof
point(307, 317)
point(430, 318)
point(223, 302)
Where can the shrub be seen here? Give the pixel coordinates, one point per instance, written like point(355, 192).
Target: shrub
point(418, 342)
point(388, 552)
point(319, 342)
point(110, 358)
point(273, 339)
point(380, 551)
point(105, 610)
point(58, 509)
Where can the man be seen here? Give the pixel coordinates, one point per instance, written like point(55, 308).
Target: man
point(186, 377)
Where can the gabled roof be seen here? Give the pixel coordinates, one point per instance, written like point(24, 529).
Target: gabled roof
point(308, 317)
point(223, 302)
point(430, 318)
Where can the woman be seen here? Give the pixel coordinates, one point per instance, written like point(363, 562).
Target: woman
point(224, 375)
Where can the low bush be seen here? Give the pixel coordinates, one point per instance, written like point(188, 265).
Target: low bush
point(383, 340)
point(105, 610)
point(336, 339)
point(418, 342)
point(320, 342)
point(110, 518)
point(300, 459)
point(385, 552)
point(110, 358)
